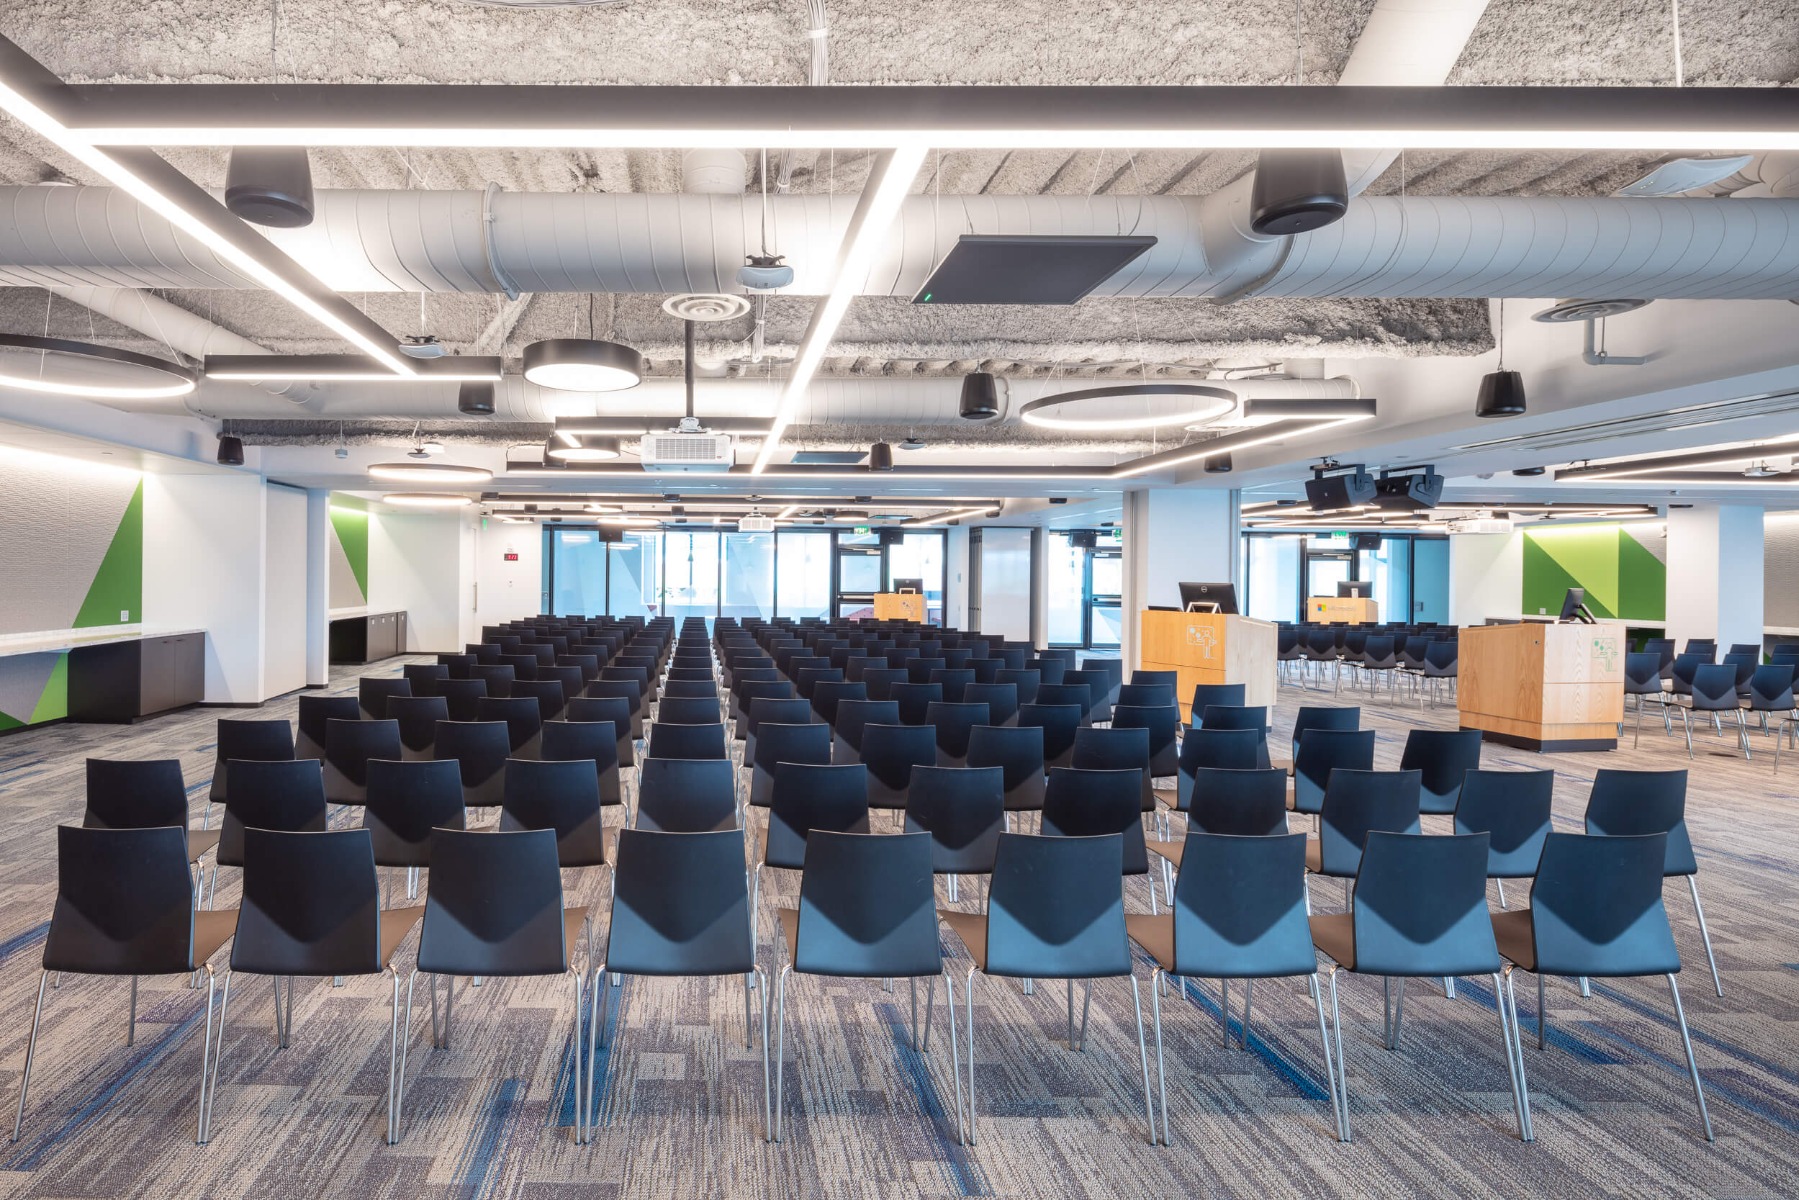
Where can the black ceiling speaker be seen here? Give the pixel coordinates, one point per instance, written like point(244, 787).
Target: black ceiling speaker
point(1501, 395)
point(1329, 492)
point(880, 457)
point(1297, 191)
point(980, 397)
point(270, 185)
point(1218, 464)
point(1408, 493)
point(475, 398)
point(231, 450)
point(1528, 472)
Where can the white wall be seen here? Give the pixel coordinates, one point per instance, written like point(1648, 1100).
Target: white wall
point(508, 591)
point(415, 562)
point(1486, 576)
point(1715, 566)
point(955, 577)
point(204, 569)
point(1005, 600)
point(284, 590)
point(1173, 535)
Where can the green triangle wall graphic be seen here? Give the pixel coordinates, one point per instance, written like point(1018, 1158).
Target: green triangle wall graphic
point(10, 722)
point(118, 585)
point(53, 704)
point(353, 534)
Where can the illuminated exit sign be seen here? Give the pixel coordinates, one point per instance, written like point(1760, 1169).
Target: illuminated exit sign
point(511, 556)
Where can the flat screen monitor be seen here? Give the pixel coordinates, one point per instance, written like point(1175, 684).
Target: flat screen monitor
point(1360, 589)
point(908, 585)
point(1574, 607)
point(1209, 597)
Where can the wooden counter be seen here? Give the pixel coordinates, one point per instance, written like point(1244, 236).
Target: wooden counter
point(1342, 610)
point(1211, 648)
point(1543, 687)
point(900, 606)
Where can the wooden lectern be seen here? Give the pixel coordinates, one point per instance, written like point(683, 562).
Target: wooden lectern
point(1543, 687)
point(900, 606)
point(1211, 648)
point(1342, 610)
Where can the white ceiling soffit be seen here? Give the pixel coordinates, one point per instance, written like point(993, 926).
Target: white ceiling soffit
point(1692, 416)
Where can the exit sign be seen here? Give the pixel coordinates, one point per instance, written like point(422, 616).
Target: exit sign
point(511, 556)
point(865, 528)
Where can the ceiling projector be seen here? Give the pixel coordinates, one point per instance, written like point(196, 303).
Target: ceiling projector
point(1408, 493)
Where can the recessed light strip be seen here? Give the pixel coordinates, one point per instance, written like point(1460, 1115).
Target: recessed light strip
point(350, 368)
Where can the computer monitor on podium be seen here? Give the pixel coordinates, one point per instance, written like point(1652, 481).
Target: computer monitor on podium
point(1359, 589)
point(1209, 597)
point(1574, 607)
point(908, 585)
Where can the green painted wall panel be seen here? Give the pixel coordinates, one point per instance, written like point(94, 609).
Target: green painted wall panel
point(53, 705)
point(1642, 581)
point(1622, 578)
point(353, 535)
point(118, 585)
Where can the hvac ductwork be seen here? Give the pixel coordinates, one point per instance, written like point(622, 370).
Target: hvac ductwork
point(1386, 246)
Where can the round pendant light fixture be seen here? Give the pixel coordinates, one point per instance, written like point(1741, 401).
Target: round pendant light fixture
point(593, 449)
point(583, 365)
point(59, 367)
point(1157, 405)
point(426, 499)
point(429, 472)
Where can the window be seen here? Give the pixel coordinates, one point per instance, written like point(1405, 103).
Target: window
point(634, 586)
point(690, 574)
point(1390, 570)
point(748, 581)
point(803, 575)
point(579, 571)
point(1271, 573)
point(919, 556)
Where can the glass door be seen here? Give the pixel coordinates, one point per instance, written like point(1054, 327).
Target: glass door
point(1325, 571)
point(1105, 599)
point(861, 572)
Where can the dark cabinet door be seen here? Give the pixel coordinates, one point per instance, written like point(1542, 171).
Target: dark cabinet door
point(156, 679)
point(190, 668)
point(401, 640)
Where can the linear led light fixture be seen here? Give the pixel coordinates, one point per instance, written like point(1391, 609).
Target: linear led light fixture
point(1709, 120)
point(27, 93)
point(1259, 436)
point(349, 368)
point(879, 203)
point(1635, 469)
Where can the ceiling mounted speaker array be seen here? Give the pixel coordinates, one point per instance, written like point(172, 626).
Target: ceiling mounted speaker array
point(1297, 191)
point(980, 397)
point(1350, 489)
point(1407, 493)
point(270, 185)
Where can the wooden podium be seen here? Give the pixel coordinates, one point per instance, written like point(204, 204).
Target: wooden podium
point(1342, 610)
point(1543, 687)
point(900, 606)
point(1211, 648)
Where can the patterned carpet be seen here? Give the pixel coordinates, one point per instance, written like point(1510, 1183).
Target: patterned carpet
point(869, 1117)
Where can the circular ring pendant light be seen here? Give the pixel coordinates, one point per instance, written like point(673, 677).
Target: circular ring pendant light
point(583, 365)
point(1167, 404)
point(429, 472)
point(426, 499)
point(59, 367)
point(592, 449)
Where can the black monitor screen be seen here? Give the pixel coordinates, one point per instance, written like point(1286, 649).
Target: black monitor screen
point(1362, 588)
point(1224, 595)
point(908, 585)
point(1574, 606)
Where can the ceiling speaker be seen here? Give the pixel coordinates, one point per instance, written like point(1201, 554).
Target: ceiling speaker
point(1501, 395)
point(1297, 191)
point(880, 457)
point(1219, 464)
point(231, 450)
point(270, 185)
point(1348, 490)
point(475, 398)
point(980, 397)
point(1409, 492)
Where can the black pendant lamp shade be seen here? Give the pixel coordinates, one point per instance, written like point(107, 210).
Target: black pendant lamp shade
point(980, 397)
point(1219, 464)
point(1501, 395)
point(475, 398)
point(270, 185)
point(880, 457)
point(231, 451)
point(583, 365)
point(1297, 191)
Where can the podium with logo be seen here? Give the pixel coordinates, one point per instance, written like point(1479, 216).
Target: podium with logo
point(1543, 687)
point(1211, 648)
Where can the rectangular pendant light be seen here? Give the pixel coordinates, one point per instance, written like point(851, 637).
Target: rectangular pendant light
point(326, 368)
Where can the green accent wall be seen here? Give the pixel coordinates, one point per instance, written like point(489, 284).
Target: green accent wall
point(53, 705)
point(1623, 578)
point(118, 585)
point(353, 535)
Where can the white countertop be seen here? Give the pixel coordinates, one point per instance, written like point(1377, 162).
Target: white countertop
point(67, 639)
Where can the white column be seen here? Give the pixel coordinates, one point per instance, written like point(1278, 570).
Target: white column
point(1175, 535)
point(1486, 577)
point(318, 587)
point(1715, 574)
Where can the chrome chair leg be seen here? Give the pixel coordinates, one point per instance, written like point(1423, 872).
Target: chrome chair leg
point(1149, 1105)
point(37, 1017)
point(1156, 978)
point(968, 1004)
point(1686, 1041)
point(1086, 1009)
point(202, 1127)
point(1224, 1012)
point(1705, 934)
point(397, 1101)
point(1506, 999)
point(1248, 995)
point(955, 1054)
point(131, 1017)
point(1330, 1070)
point(1342, 1068)
point(1542, 1010)
point(580, 1088)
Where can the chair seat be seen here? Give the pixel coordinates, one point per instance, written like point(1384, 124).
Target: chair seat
point(1334, 933)
point(1290, 795)
point(971, 928)
point(396, 923)
point(1281, 764)
point(212, 929)
point(1512, 930)
point(1314, 854)
point(572, 920)
point(199, 841)
point(1155, 933)
point(790, 928)
point(1168, 850)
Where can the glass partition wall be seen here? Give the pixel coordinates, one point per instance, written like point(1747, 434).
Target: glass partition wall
point(1086, 592)
point(1408, 574)
point(796, 573)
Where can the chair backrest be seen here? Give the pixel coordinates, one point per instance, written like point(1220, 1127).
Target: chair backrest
point(1054, 910)
point(594, 741)
point(1240, 907)
point(124, 902)
point(853, 716)
point(794, 711)
point(560, 795)
point(1224, 695)
point(1239, 803)
point(267, 740)
point(688, 689)
point(547, 693)
point(680, 905)
point(314, 712)
point(1324, 717)
point(1513, 809)
point(416, 717)
point(1026, 681)
point(915, 700)
point(1146, 695)
point(1163, 723)
point(891, 751)
point(480, 748)
point(372, 694)
point(686, 795)
point(499, 677)
point(1322, 751)
point(963, 809)
point(406, 801)
point(1078, 694)
point(311, 904)
point(1226, 716)
point(1001, 700)
point(1016, 750)
point(1771, 687)
point(1714, 687)
point(687, 710)
point(1051, 670)
point(350, 744)
point(953, 723)
point(1358, 802)
point(135, 793)
point(687, 741)
point(424, 677)
point(779, 742)
point(867, 907)
point(1059, 723)
point(1631, 803)
point(1441, 757)
point(1087, 803)
point(1642, 674)
point(919, 670)
point(1596, 907)
point(1421, 907)
point(522, 715)
point(286, 796)
point(1168, 679)
point(1115, 749)
point(1221, 750)
point(808, 796)
point(495, 905)
point(827, 695)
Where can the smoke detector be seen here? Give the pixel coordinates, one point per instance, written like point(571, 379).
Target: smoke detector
point(764, 273)
point(423, 345)
point(706, 307)
point(911, 443)
point(1564, 312)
